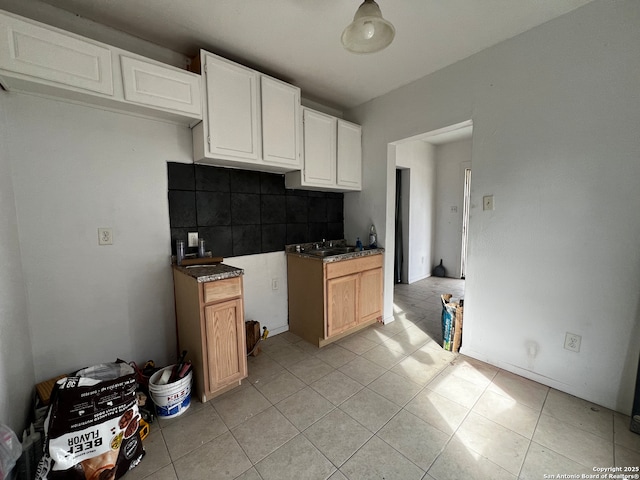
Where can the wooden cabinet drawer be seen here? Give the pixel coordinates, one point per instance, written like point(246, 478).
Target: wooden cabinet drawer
point(347, 267)
point(222, 289)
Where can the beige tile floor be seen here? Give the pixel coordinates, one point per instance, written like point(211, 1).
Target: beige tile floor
point(386, 403)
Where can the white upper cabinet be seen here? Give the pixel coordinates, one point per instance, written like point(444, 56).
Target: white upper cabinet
point(332, 154)
point(250, 120)
point(160, 86)
point(349, 155)
point(53, 56)
point(41, 59)
point(231, 118)
point(319, 149)
point(281, 124)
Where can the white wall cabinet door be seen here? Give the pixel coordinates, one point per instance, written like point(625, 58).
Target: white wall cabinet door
point(349, 155)
point(281, 123)
point(160, 86)
point(332, 154)
point(233, 127)
point(53, 56)
point(319, 148)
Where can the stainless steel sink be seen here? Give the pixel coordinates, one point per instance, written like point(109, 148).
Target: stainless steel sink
point(328, 252)
point(344, 249)
point(322, 252)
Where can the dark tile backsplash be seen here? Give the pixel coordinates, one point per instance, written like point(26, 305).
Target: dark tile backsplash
point(210, 179)
point(213, 209)
point(241, 212)
point(182, 208)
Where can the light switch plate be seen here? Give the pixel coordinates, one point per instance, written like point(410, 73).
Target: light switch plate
point(487, 202)
point(193, 239)
point(105, 236)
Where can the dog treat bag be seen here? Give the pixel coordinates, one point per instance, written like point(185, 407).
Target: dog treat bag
point(92, 425)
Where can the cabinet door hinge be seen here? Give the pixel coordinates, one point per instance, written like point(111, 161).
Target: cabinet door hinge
point(209, 139)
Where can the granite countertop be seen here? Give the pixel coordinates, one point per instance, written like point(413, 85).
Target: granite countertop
point(210, 273)
point(350, 255)
point(305, 247)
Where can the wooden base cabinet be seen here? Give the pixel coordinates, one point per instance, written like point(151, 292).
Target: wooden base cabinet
point(342, 304)
point(210, 318)
point(330, 300)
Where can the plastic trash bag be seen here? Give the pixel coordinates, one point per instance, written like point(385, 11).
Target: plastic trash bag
point(10, 450)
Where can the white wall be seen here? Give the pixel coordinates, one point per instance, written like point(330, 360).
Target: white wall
point(555, 114)
point(419, 158)
point(75, 169)
point(451, 160)
point(16, 361)
point(261, 302)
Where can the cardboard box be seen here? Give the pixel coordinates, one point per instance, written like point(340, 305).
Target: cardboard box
point(452, 313)
point(44, 389)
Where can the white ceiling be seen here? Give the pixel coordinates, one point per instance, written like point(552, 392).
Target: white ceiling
point(299, 40)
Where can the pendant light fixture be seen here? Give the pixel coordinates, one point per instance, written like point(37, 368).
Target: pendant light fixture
point(369, 32)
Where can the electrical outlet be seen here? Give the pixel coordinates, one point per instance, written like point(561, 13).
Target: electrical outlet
point(487, 202)
point(572, 342)
point(274, 284)
point(105, 236)
point(192, 239)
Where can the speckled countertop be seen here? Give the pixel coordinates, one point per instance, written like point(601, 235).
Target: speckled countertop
point(210, 273)
point(305, 247)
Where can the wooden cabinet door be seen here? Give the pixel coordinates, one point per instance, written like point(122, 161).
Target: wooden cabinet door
point(319, 148)
point(226, 350)
point(232, 109)
point(370, 294)
point(281, 123)
point(342, 303)
point(349, 155)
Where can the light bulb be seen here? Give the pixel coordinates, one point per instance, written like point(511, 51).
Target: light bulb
point(368, 29)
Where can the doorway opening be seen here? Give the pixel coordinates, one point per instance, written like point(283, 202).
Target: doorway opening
point(466, 202)
point(431, 183)
point(398, 258)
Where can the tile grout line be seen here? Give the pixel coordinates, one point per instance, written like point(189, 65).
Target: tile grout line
point(460, 425)
point(533, 432)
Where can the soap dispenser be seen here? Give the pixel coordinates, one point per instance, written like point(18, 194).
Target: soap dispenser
point(373, 237)
point(358, 245)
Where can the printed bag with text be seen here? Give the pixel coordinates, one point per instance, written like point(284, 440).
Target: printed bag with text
point(92, 425)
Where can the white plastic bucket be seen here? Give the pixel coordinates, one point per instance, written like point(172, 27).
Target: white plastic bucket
point(172, 399)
